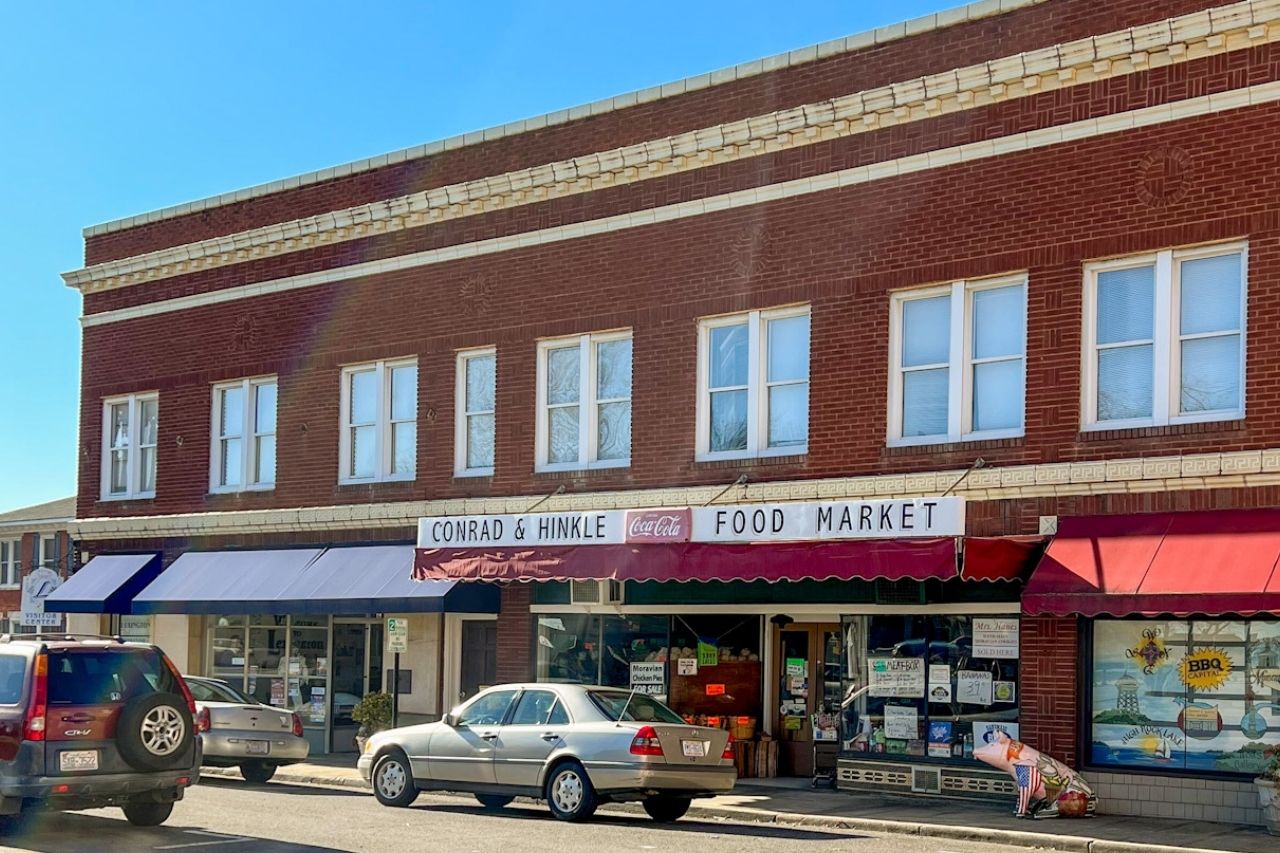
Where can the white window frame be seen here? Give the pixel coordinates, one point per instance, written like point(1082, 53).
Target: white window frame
point(382, 425)
point(757, 386)
point(43, 558)
point(588, 404)
point(249, 435)
point(462, 413)
point(11, 568)
point(960, 362)
point(1166, 354)
point(134, 463)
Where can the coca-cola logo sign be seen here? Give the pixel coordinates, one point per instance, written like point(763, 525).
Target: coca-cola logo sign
point(659, 525)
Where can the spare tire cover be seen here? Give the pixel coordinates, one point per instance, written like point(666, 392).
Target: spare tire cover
point(155, 732)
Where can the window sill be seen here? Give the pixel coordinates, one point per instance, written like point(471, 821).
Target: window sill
point(579, 468)
point(964, 446)
point(140, 496)
point(375, 481)
point(738, 462)
point(1112, 432)
point(240, 491)
point(971, 438)
point(472, 473)
point(799, 451)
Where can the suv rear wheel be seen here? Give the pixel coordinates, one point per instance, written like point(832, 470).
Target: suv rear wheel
point(144, 813)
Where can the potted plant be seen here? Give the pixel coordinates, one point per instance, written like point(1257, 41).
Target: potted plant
point(1268, 785)
point(373, 713)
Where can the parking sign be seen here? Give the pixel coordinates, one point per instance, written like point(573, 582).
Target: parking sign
point(397, 635)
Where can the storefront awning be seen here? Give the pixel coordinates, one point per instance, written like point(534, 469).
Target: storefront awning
point(1000, 558)
point(897, 559)
point(369, 579)
point(105, 584)
point(1179, 564)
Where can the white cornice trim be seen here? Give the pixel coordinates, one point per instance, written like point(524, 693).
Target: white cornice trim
point(882, 35)
point(1195, 472)
point(970, 152)
point(1206, 33)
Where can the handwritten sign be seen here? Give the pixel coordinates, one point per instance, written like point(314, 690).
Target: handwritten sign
point(896, 677)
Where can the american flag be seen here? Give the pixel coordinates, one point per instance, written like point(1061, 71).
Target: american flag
point(1028, 781)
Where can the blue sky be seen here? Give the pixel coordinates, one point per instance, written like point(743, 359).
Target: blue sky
point(112, 109)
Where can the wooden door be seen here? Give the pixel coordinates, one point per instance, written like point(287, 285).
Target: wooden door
point(808, 665)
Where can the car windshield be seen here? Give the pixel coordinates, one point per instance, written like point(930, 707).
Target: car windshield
point(216, 691)
point(619, 705)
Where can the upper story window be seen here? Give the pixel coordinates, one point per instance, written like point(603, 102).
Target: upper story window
point(244, 432)
point(11, 563)
point(379, 438)
point(130, 427)
point(1164, 338)
point(753, 384)
point(957, 362)
point(474, 413)
point(49, 552)
point(584, 402)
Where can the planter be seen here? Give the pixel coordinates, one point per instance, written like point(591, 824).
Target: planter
point(1269, 802)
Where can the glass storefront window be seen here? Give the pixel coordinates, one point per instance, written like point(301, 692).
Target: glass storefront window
point(227, 654)
point(928, 686)
point(634, 639)
point(569, 648)
point(1200, 695)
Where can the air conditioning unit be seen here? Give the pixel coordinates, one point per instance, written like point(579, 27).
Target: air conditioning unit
point(926, 780)
point(595, 592)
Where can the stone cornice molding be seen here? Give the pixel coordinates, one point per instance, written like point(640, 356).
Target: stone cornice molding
point(1206, 33)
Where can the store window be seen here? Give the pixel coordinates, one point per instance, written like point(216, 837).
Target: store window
point(1201, 695)
point(935, 686)
point(586, 649)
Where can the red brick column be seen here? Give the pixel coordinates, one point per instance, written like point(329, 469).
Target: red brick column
point(1051, 684)
point(515, 634)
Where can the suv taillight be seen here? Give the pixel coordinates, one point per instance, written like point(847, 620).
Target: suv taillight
point(646, 742)
point(297, 725)
point(728, 755)
point(182, 685)
point(203, 721)
point(34, 722)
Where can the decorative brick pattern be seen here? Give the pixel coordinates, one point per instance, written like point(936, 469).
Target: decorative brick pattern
point(1049, 710)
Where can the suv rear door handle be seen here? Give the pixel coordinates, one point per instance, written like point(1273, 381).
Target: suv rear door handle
point(79, 718)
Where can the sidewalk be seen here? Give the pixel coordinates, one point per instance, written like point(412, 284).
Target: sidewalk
point(792, 801)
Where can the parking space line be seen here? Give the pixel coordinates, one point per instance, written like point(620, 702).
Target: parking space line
point(221, 839)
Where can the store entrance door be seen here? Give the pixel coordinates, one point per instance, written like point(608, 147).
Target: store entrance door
point(479, 667)
point(357, 672)
point(808, 679)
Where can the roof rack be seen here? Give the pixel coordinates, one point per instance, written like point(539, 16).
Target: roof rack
point(61, 635)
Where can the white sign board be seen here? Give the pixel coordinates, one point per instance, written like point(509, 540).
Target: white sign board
point(36, 587)
point(973, 688)
point(687, 666)
point(603, 527)
point(901, 723)
point(901, 678)
point(995, 638)
point(397, 635)
point(939, 682)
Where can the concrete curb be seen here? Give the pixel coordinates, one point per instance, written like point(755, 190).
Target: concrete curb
point(1065, 843)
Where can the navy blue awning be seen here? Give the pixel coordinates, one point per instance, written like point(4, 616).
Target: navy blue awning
point(106, 584)
point(361, 579)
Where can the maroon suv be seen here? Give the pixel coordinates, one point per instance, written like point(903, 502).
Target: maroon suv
point(92, 722)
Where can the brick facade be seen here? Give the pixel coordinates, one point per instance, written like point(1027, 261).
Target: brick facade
point(515, 634)
point(1050, 671)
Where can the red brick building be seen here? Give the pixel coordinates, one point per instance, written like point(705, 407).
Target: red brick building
point(1042, 234)
point(33, 538)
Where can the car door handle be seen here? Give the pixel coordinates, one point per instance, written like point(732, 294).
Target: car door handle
point(78, 718)
point(490, 735)
point(550, 736)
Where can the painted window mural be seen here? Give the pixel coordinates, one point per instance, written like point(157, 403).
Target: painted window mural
point(1200, 695)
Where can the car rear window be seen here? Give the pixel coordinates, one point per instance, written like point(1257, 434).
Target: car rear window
point(633, 707)
point(13, 672)
point(106, 676)
point(213, 691)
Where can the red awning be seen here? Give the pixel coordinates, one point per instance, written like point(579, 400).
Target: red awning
point(1180, 564)
point(1000, 558)
point(898, 559)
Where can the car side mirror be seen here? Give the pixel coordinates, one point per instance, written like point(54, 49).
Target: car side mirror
point(451, 720)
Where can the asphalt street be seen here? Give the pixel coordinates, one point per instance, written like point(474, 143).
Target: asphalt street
point(228, 816)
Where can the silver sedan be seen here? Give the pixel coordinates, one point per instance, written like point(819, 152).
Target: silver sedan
point(573, 746)
point(244, 733)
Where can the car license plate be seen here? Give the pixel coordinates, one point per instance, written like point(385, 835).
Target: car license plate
point(258, 747)
point(78, 759)
point(694, 748)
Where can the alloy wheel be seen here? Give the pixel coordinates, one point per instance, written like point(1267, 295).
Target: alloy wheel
point(567, 791)
point(163, 730)
point(392, 780)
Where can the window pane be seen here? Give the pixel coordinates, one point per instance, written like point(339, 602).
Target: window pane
point(999, 322)
point(265, 460)
point(404, 393)
point(1126, 305)
point(614, 439)
point(925, 395)
point(997, 395)
point(232, 421)
point(1124, 383)
point(404, 447)
point(150, 422)
point(613, 370)
point(1210, 294)
point(119, 471)
point(120, 425)
point(481, 375)
point(789, 415)
point(789, 349)
point(362, 452)
point(148, 471)
point(480, 441)
point(926, 331)
point(232, 463)
point(364, 397)
point(728, 420)
point(563, 368)
point(564, 435)
point(1211, 374)
point(729, 354)
point(264, 418)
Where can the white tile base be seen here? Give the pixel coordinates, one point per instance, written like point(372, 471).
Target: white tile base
point(1142, 795)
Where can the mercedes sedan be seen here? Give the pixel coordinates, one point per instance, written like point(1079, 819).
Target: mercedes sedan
point(571, 745)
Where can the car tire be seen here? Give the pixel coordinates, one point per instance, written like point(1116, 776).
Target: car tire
point(145, 813)
point(392, 780)
point(154, 732)
point(258, 772)
point(666, 809)
point(494, 801)
point(569, 792)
